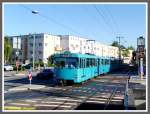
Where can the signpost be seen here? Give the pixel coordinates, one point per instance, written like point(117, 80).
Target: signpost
point(30, 77)
point(17, 65)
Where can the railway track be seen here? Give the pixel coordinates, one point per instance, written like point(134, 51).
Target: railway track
point(102, 91)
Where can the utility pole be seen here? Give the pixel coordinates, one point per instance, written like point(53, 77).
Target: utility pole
point(119, 37)
point(33, 49)
point(17, 57)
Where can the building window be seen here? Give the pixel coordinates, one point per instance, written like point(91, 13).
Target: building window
point(31, 44)
point(40, 59)
point(45, 44)
point(31, 52)
point(40, 44)
point(40, 52)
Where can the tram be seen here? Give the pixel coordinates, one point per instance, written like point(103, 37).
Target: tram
point(78, 68)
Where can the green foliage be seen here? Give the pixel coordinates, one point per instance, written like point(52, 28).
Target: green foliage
point(37, 63)
point(50, 59)
point(131, 48)
point(20, 68)
point(7, 49)
point(125, 52)
point(115, 43)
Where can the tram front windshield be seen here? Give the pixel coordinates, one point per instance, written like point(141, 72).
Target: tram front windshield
point(66, 62)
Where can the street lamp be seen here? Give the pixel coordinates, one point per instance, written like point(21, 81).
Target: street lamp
point(34, 12)
point(140, 49)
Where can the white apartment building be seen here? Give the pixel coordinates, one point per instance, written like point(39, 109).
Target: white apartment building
point(45, 45)
point(76, 44)
point(17, 49)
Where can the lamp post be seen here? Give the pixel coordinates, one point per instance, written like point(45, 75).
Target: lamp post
point(140, 50)
point(34, 12)
point(33, 51)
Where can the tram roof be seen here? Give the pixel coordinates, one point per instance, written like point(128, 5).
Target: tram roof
point(69, 54)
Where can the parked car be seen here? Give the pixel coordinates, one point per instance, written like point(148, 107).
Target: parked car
point(8, 68)
point(27, 66)
point(45, 74)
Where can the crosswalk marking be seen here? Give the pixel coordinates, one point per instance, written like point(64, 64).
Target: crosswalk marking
point(31, 101)
point(65, 106)
point(98, 99)
point(57, 102)
point(20, 104)
point(51, 105)
point(70, 103)
point(89, 101)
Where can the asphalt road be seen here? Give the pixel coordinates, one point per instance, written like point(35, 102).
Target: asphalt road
point(53, 97)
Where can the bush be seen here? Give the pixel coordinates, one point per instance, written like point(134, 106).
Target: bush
point(20, 68)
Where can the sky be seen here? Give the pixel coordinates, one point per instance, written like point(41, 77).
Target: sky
point(100, 22)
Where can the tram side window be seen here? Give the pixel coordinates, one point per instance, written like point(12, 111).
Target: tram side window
point(104, 61)
point(94, 63)
point(91, 64)
point(101, 61)
point(80, 63)
point(83, 63)
point(87, 62)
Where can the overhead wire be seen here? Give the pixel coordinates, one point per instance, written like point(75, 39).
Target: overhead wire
point(54, 21)
point(100, 13)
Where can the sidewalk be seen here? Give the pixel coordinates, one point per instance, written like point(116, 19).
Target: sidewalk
point(26, 87)
point(138, 88)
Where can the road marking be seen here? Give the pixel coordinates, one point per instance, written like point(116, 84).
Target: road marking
point(31, 101)
point(57, 102)
point(103, 99)
point(51, 105)
point(65, 106)
point(19, 104)
point(70, 103)
point(89, 101)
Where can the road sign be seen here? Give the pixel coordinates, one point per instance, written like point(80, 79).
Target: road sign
point(30, 76)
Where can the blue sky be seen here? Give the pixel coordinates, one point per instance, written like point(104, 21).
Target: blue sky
point(101, 22)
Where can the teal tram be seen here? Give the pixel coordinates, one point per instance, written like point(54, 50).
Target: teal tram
point(78, 68)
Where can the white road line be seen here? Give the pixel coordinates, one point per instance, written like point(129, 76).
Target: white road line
point(89, 101)
point(30, 101)
point(103, 99)
point(65, 106)
point(20, 104)
point(70, 103)
point(57, 102)
point(50, 105)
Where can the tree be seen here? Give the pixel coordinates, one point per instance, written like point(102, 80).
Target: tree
point(125, 52)
point(7, 50)
point(115, 43)
point(51, 59)
point(131, 48)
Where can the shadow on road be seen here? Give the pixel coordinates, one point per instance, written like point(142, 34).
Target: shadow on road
point(47, 82)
